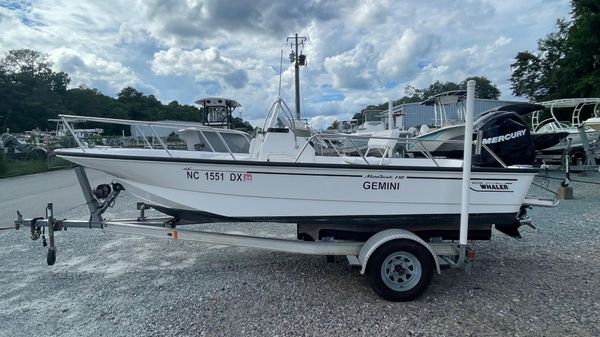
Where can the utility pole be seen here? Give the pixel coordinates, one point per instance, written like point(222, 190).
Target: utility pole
point(298, 60)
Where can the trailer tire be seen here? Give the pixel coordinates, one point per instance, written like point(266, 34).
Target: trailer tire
point(577, 156)
point(400, 270)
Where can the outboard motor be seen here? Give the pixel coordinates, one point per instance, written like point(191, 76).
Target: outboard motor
point(508, 136)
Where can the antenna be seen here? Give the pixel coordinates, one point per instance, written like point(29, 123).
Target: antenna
point(280, 71)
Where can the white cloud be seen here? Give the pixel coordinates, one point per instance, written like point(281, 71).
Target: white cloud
point(353, 69)
point(359, 51)
point(322, 122)
point(93, 71)
point(401, 61)
point(201, 64)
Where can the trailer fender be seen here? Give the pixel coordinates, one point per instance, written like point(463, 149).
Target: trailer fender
point(386, 236)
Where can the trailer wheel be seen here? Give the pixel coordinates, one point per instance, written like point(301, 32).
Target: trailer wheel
point(577, 156)
point(400, 270)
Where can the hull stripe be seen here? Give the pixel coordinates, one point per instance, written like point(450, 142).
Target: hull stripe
point(250, 163)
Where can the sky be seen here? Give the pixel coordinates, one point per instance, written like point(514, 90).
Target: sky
point(358, 52)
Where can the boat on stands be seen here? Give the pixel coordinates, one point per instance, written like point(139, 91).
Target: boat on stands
point(593, 123)
point(565, 116)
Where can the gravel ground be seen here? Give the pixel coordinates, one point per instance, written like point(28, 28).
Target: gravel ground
point(547, 284)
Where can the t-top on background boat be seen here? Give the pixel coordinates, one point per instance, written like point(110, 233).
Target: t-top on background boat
point(578, 143)
point(396, 217)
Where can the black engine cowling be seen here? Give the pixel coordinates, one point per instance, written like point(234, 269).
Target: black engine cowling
point(508, 136)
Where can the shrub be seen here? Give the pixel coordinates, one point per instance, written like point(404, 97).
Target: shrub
point(2, 161)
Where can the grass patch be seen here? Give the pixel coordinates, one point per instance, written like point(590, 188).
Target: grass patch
point(14, 168)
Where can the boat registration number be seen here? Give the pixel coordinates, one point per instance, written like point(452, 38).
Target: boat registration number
point(219, 176)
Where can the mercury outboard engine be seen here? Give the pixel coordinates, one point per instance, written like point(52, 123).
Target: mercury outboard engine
point(508, 136)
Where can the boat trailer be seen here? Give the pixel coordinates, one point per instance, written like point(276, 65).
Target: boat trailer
point(421, 258)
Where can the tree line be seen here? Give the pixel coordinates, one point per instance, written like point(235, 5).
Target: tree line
point(567, 61)
point(31, 93)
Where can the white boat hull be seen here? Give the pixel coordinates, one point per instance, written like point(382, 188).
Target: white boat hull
point(573, 140)
point(252, 190)
point(593, 123)
point(436, 141)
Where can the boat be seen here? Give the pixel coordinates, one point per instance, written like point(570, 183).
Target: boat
point(446, 141)
point(593, 123)
point(372, 124)
point(443, 139)
point(282, 179)
point(445, 136)
point(567, 123)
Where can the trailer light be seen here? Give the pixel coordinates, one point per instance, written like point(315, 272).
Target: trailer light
point(470, 254)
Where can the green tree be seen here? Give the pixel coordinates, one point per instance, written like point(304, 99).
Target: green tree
point(30, 91)
point(527, 76)
point(567, 62)
point(242, 125)
point(439, 87)
point(334, 125)
point(358, 117)
point(484, 87)
point(141, 107)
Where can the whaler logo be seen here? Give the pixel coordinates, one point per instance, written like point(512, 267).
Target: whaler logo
point(485, 186)
point(508, 136)
point(494, 187)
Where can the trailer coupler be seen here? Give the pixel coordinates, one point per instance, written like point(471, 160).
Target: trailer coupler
point(98, 201)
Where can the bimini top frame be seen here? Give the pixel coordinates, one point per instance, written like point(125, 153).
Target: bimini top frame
point(68, 119)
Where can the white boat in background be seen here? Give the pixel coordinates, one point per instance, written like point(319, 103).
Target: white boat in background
point(445, 136)
point(567, 122)
point(372, 124)
point(593, 123)
point(445, 141)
